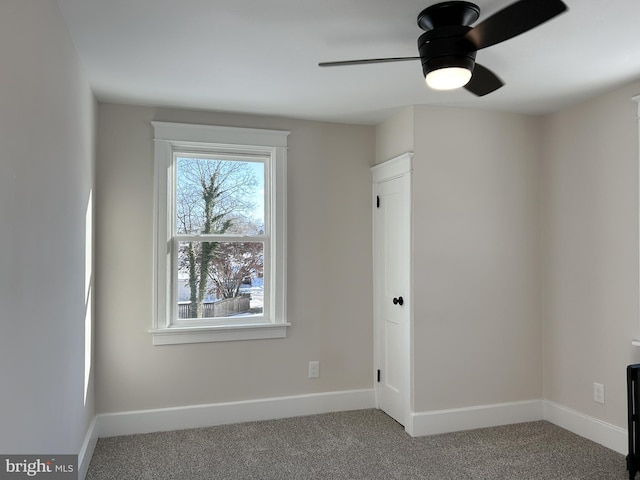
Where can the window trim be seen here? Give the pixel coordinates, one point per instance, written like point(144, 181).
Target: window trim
point(178, 137)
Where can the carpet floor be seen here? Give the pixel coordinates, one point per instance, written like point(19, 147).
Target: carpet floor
point(362, 444)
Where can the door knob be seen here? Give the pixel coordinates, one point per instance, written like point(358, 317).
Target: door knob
point(398, 301)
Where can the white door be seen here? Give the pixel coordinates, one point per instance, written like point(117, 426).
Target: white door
point(392, 284)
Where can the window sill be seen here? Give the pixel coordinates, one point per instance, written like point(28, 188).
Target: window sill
point(223, 333)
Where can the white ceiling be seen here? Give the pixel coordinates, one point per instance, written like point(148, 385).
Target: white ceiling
point(261, 56)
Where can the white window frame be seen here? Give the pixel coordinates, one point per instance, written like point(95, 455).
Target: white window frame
point(172, 138)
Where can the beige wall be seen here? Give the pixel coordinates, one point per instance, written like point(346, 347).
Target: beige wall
point(329, 272)
point(526, 253)
point(47, 123)
point(477, 333)
point(590, 251)
point(477, 336)
point(395, 136)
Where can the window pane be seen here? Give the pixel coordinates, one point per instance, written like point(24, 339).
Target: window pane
point(219, 196)
point(220, 279)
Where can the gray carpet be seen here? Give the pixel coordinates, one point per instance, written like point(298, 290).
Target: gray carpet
point(363, 444)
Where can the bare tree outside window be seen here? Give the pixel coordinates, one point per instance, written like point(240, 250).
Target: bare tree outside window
point(220, 198)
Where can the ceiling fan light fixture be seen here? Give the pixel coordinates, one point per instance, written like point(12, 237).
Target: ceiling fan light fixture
point(448, 78)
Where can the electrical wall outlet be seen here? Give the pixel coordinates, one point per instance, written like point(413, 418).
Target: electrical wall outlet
point(598, 393)
point(314, 369)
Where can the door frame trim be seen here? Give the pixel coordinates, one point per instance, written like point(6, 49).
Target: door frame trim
point(397, 167)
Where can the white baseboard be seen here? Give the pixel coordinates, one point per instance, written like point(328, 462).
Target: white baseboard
point(595, 430)
point(177, 418)
point(444, 421)
point(457, 419)
point(86, 452)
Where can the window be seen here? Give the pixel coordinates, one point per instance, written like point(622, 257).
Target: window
point(220, 225)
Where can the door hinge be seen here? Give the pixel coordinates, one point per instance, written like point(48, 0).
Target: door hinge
point(377, 201)
point(378, 375)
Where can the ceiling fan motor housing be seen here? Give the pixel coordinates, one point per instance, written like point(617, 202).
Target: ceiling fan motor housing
point(445, 47)
point(448, 13)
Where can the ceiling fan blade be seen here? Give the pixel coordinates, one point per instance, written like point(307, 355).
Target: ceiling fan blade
point(366, 61)
point(513, 20)
point(483, 81)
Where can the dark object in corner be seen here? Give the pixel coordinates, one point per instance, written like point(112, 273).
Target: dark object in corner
point(633, 413)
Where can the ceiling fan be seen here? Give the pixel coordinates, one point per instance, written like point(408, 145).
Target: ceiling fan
point(448, 47)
